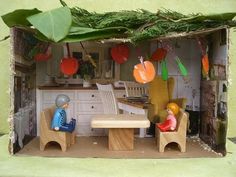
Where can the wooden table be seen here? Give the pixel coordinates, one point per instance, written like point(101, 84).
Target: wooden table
point(121, 128)
point(135, 108)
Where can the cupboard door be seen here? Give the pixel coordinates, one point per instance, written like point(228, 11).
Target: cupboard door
point(89, 108)
point(88, 96)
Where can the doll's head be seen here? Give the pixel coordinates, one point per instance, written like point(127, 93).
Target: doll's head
point(172, 108)
point(62, 101)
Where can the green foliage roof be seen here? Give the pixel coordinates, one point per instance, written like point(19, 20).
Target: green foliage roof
point(75, 24)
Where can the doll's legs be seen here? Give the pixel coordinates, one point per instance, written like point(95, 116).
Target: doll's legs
point(68, 127)
point(73, 122)
point(165, 126)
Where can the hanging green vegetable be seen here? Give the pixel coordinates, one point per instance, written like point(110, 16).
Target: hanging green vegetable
point(164, 70)
point(182, 68)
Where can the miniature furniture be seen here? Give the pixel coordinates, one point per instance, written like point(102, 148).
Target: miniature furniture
point(84, 105)
point(47, 135)
point(135, 108)
point(178, 136)
point(121, 129)
point(108, 99)
point(134, 89)
point(160, 94)
point(121, 126)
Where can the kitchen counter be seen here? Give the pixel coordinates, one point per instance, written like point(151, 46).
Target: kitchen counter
point(72, 87)
point(85, 103)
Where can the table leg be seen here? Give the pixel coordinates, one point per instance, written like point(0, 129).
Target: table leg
point(121, 139)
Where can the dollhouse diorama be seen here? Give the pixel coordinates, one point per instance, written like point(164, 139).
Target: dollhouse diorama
point(153, 99)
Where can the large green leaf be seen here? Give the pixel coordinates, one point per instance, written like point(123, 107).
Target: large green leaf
point(53, 24)
point(77, 30)
point(84, 34)
point(18, 17)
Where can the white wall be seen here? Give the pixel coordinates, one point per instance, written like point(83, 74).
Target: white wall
point(189, 53)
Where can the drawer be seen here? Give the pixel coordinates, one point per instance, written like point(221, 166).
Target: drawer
point(85, 118)
point(84, 129)
point(88, 96)
point(89, 108)
point(52, 94)
point(120, 93)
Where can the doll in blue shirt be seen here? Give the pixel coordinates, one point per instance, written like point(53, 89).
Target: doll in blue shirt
point(59, 117)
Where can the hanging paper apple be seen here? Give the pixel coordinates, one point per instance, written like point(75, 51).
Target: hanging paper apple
point(144, 72)
point(120, 53)
point(159, 54)
point(44, 56)
point(69, 65)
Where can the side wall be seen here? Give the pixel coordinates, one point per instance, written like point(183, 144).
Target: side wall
point(210, 6)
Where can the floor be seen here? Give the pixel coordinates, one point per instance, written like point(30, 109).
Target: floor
point(29, 166)
point(97, 147)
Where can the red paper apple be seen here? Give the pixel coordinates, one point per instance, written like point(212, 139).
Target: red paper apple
point(69, 65)
point(159, 54)
point(120, 53)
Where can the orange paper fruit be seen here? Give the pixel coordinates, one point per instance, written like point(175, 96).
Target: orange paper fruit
point(159, 54)
point(144, 72)
point(205, 64)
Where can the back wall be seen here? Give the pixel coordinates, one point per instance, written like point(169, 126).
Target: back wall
point(186, 7)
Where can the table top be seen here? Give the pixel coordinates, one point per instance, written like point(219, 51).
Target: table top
point(134, 103)
point(120, 121)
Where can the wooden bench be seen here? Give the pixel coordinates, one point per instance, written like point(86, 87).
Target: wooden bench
point(121, 129)
point(65, 139)
point(178, 136)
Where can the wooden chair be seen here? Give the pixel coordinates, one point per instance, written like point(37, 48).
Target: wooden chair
point(134, 89)
point(65, 139)
point(178, 136)
point(160, 94)
point(120, 126)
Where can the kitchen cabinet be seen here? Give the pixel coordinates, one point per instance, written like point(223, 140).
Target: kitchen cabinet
point(84, 104)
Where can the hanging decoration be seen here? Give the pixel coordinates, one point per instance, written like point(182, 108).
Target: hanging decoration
point(144, 72)
point(43, 55)
point(159, 54)
point(120, 53)
point(181, 67)
point(204, 59)
point(205, 65)
point(164, 70)
point(69, 65)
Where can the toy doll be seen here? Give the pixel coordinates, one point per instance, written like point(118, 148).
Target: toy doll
point(59, 118)
point(170, 123)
